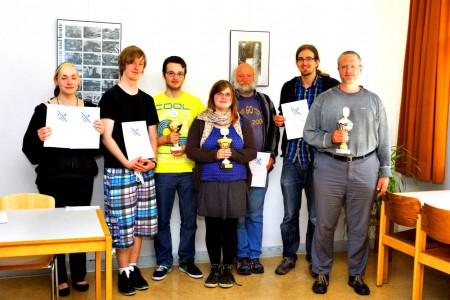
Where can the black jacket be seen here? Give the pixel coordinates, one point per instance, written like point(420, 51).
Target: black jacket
point(271, 136)
point(56, 162)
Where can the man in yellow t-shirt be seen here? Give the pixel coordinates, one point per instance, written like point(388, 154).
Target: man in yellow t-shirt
point(174, 171)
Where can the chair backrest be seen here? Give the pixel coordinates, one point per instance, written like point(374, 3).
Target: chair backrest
point(26, 201)
point(436, 223)
point(402, 210)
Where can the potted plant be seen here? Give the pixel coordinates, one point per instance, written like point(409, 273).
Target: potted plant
point(401, 160)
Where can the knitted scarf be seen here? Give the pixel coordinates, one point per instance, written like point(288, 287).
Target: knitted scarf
point(211, 118)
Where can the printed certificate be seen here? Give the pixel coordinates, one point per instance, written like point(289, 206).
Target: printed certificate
point(137, 141)
point(72, 127)
point(295, 113)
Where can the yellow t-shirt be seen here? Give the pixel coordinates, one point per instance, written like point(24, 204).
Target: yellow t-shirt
point(187, 108)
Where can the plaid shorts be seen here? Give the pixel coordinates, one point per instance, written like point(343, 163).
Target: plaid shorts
point(130, 206)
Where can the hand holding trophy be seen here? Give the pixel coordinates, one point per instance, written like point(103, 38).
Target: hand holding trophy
point(225, 143)
point(175, 126)
point(346, 125)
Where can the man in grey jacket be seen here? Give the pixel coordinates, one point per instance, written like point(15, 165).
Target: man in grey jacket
point(348, 126)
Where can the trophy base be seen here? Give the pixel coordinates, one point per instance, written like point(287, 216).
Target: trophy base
point(226, 166)
point(175, 149)
point(343, 151)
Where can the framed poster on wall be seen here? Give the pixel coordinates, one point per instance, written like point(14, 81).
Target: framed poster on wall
point(251, 47)
point(93, 47)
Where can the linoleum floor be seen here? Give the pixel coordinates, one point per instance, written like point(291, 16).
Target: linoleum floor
point(295, 285)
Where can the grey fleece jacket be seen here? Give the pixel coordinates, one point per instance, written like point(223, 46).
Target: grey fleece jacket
point(370, 127)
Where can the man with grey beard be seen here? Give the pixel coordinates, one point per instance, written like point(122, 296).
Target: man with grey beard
point(259, 109)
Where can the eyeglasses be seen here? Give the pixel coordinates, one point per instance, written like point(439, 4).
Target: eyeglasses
point(224, 95)
point(349, 66)
point(307, 59)
point(173, 74)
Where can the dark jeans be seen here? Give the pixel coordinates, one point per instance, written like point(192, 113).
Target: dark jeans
point(166, 185)
point(70, 191)
point(294, 178)
point(221, 237)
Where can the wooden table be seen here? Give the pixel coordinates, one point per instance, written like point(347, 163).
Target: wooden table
point(439, 199)
point(55, 231)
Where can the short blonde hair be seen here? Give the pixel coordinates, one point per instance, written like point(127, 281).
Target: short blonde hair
point(63, 67)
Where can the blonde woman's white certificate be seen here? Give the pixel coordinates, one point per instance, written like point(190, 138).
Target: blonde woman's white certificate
point(295, 113)
point(137, 141)
point(72, 127)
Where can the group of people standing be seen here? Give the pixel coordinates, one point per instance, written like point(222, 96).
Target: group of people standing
point(139, 193)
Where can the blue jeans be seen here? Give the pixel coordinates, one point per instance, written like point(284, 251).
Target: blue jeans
point(166, 186)
point(294, 178)
point(250, 227)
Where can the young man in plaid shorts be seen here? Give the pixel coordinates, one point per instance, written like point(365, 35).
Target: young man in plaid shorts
point(129, 185)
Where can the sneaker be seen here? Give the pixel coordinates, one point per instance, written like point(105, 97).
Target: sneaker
point(213, 279)
point(137, 281)
point(189, 268)
point(256, 266)
point(320, 284)
point(243, 266)
point(161, 272)
point(286, 265)
point(357, 283)
point(125, 286)
point(226, 279)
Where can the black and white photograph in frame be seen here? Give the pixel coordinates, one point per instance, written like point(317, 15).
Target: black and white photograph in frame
point(252, 47)
point(93, 47)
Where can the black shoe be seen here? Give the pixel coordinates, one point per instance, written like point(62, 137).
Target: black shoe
point(213, 279)
point(357, 283)
point(256, 266)
point(161, 272)
point(243, 266)
point(286, 265)
point(64, 292)
point(226, 280)
point(137, 281)
point(80, 287)
point(191, 269)
point(125, 286)
point(320, 284)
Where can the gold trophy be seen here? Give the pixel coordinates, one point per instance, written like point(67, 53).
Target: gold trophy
point(225, 143)
point(346, 125)
point(175, 126)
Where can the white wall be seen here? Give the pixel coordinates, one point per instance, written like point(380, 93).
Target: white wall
point(199, 31)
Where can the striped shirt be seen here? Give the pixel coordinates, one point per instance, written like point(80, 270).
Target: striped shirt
point(298, 148)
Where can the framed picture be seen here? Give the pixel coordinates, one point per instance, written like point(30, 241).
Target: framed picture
point(252, 47)
point(94, 48)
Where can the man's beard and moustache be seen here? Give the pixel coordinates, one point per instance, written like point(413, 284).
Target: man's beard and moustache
point(242, 90)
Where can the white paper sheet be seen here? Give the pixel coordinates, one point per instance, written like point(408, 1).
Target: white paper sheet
point(295, 113)
point(3, 217)
point(137, 141)
point(72, 127)
point(258, 168)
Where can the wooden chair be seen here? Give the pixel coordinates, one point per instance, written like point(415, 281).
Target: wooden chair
point(433, 222)
point(399, 210)
point(30, 201)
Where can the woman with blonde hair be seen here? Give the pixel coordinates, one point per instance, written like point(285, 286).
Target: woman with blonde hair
point(65, 174)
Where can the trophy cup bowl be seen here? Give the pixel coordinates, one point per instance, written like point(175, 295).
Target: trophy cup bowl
point(225, 143)
point(346, 125)
point(175, 126)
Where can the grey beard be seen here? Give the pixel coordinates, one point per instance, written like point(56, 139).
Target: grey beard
point(242, 90)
